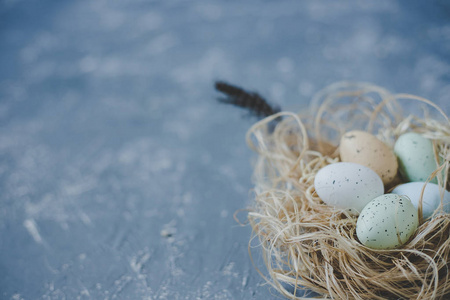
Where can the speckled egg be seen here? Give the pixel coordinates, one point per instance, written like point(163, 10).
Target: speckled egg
point(415, 156)
point(366, 149)
point(348, 186)
point(431, 196)
point(387, 222)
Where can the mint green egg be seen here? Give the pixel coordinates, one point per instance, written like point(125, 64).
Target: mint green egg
point(387, 222)
point(415, 157)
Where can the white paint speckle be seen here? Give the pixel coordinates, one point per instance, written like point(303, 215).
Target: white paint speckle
point(17, 297)
point(228, 270)
point(32, 229)
point(224, 213)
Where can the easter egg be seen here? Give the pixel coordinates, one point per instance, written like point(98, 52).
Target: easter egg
point(431, 196)
point(366, 149)
point(387, 222)
point(347, 185)
point(415, 156)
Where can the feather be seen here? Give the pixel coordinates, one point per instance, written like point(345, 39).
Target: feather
point(248, 100)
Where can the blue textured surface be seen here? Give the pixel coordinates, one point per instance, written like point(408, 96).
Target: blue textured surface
point(120, 174)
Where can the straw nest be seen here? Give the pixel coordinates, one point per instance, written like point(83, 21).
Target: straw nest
point(309, 245)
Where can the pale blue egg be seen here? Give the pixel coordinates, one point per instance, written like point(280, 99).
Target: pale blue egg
point(348, 185)
point(431, 196)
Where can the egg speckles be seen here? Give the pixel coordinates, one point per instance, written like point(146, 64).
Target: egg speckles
point(387, 222)
point(348, 186)
point(366, 149)
point(415, 156)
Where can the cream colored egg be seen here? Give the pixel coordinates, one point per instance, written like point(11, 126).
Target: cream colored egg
point(365, 149)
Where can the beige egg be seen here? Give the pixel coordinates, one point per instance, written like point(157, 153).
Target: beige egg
point(365, 149)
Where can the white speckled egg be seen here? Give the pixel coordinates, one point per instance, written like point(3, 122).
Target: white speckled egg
point(366, 149)
point(387, 222)
point(415, 156)
point(347, 185)
point(431, 196)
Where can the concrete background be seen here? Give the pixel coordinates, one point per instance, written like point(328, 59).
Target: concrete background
point(119, 172)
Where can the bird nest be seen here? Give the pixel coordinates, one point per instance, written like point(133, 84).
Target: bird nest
point(308, 245)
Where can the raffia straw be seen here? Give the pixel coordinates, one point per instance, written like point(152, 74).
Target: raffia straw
point(311, 246)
